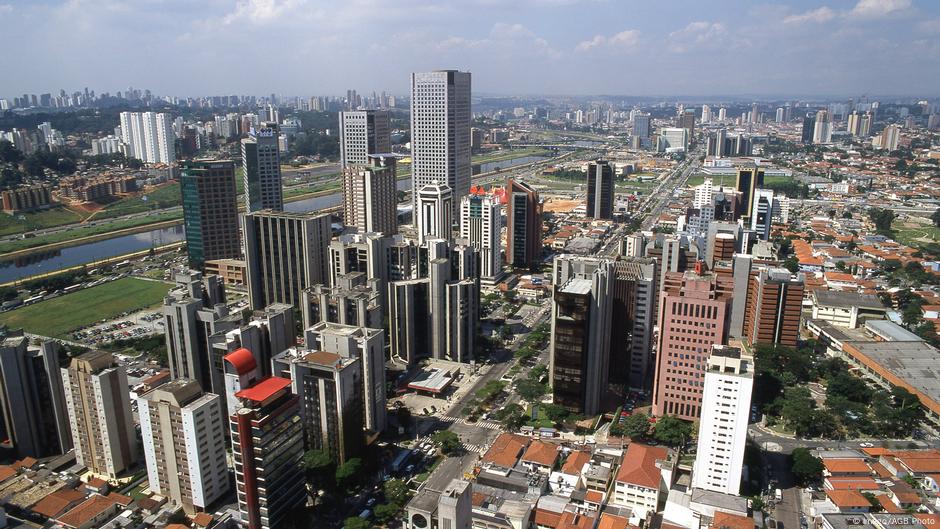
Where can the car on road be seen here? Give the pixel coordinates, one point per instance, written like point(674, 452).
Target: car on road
point(866, 445)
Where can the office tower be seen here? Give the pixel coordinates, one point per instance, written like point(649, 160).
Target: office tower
point(440, 132)
point(633, 245)
point(706, 114)
point(481, 225)
point(99, 408)
point(772, 313)
point(580, 335)
point(523, 225)
point(409, 321)
point(368, 345)
point(687, 122)
point(722, 114)
point(600, 190)
point(455, 505)
point(363, 133)
point(693, 316)
point(822, 133)
point(749, 179)
point(149, 136)
point(210, 211)
point(354, 299)
point(721, 241)
point(35, 421)
point(779, 117)
point(330, 390)
point(359, 252)
point(762, 212)
point(370, 195)
point(673, 139)
point(631, 350)
point(261, 165)
point(753, 115)
point(809, 127)
point(285, 254)
point(434, 214)
point(184, 444)
point(726, 403)
point(641, 125)
point(268, 446)
point(193, 312)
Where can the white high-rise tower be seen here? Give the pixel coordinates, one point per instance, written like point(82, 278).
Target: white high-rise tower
point(480, 225)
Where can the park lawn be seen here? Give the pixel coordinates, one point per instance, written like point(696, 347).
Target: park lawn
point(730, 180)
point(58, 316)
point(79, 231)
point(916, 235)
point(23, 222)
point(503, 155)
point(165, 196)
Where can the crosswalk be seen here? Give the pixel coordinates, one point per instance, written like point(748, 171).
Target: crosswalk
point(480, 449)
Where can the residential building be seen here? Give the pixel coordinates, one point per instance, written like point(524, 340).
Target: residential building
point(726, 404)
point(370, 195)
point(210, 210)
point(267, 447)
point(261, 166)
point(99, 408)
point(580, 332)
point(34, 420)
point(481, 225)
point(440, 132)
point(330, 390)
point(434, 212)
point(523, 225)
point(353, 300)
point(640, 483)
point(363, 133)
point(773, 308)
point(693, 316)
point(822, 133)
point(149, 136)
point(184, 444)
point(286, 253)
point(600, 190)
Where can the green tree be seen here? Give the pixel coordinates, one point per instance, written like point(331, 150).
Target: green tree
point(355, 522)
point(396, 491)
point(672, 430)
point(386, 512)
point(9, 153)
point(447, 440)
point(348, 474)
point(490, 390)
point(805, 466)
point(530, 390)
point(319, 466)
point(636, 425)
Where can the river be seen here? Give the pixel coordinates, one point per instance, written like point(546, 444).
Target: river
point(90, 253)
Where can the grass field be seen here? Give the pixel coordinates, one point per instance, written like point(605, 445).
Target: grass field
point(916, 235)
point(10, 224)
point(57, 317)
point(500, 156)
point(729, 180)
point(23, 244)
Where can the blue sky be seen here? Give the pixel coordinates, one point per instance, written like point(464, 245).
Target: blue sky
point(624, 47)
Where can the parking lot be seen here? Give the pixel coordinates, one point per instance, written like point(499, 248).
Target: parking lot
point(132, 325)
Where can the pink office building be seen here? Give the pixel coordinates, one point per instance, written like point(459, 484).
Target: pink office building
point(693, 317)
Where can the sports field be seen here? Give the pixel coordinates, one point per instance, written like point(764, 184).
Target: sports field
point(58, 316)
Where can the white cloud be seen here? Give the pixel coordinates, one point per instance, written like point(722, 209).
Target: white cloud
point(822, 14)
point(879, 8)
point(696, 34)
point(512, 37)
point(6, 8)
point(929, 26)
point(624, 41)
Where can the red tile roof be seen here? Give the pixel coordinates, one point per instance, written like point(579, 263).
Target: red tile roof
point(572, 520)
point(610, 521)
point(575, 462)
point(264, 390)
point(242, 360)
point(505, 450)
point(847, 498)
point(541, 453)
point(725, 520)
point(86, 511)
point(57, 503)
point(847, 466)
point(639, 465)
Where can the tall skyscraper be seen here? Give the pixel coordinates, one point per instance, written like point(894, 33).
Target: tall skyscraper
point(370, 195)
point(285, 254)
point(524, 224)
point(761, 215)
point(641, 125)
point(693, 316)
point(480, 225)
point(99, 408)
point(726, 402)
point(440, 131)
point(184, 444)
point(889, 138)
point(773, 308)
point(34, 421)
point(749, 179)
point(210, 211)
point(722, 114)
point(149, 136)
point(434, 213)
point(631, 349)
point(363, 133)
point(822, 133)
point(580, 334)
point(330, 390)
point(268, 446)
point(779, 117)
point(809, 128)
point(261, 164)
point(600, 190)
point(673, 139)
point(687, 122)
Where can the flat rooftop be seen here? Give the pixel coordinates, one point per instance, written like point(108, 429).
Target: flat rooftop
point(433, 380)
point(916, 363)
point(577, 286)
point(890, 331)
point(833, 298)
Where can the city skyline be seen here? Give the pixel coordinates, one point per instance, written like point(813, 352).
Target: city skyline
point(802, 48)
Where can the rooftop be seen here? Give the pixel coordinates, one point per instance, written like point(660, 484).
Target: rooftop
point(832, 298)
point(577, 286)
point(639, 465)
point(890, 331)
point(87, 511)
point(541, 453)
point(916, 363)
point(264, 390)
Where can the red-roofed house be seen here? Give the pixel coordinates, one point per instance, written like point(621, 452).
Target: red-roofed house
point(848, 501)
point(846, 467)
point(92, 512)
point(639, 483)
point(567, 479)
point(540, 456)
point(505, 451)
point(724, 520)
